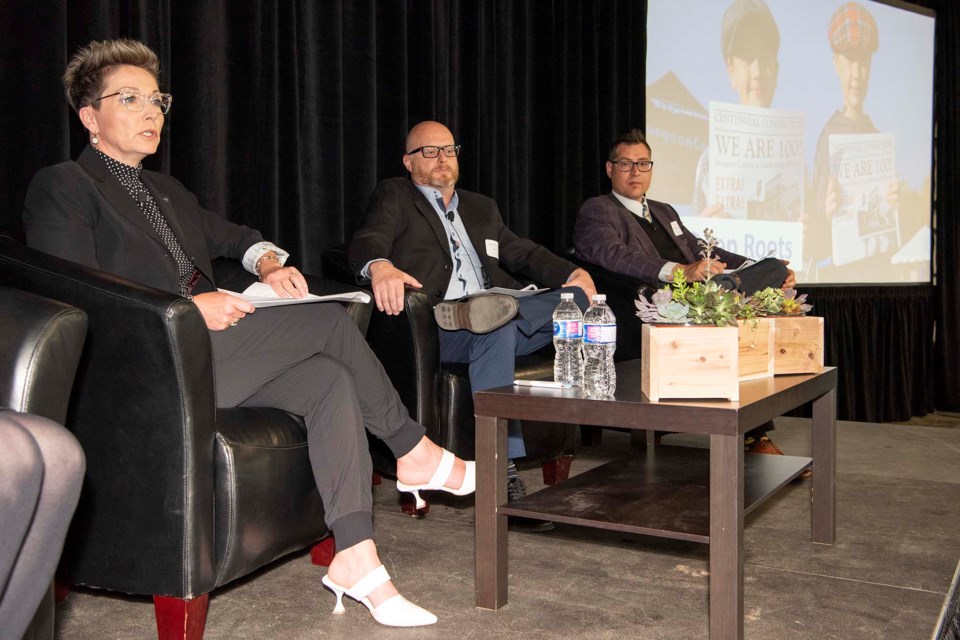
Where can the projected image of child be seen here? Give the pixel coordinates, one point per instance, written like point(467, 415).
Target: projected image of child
point(854, 199)
point(750, 44)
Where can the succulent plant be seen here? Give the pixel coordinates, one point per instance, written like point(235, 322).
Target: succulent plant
point(767, 301)
point(772, 301)
point(681, 302)
point(662, 308)
point(707, 244)
point(697, 303)
point(794, 304)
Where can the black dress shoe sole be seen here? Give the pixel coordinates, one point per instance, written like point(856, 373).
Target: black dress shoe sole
point(481, 314)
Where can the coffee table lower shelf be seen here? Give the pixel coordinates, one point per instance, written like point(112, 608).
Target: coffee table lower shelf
point(662, 491)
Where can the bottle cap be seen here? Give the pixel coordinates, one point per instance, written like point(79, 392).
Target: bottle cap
point(599, 297)
point(566, 296)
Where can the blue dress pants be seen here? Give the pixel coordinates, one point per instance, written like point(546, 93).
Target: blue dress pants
point(491, 355)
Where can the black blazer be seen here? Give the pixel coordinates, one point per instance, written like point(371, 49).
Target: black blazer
point(79, 211)
point(404, 228)
point(607, 235)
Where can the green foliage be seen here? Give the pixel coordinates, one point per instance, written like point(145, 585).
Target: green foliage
point(706, 302)
point(767, 302)
point(773, 301)
point(679, 285)
point(682, 302)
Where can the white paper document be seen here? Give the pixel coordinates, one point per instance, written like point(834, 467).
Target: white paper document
point(529, 290)
point(260, 295)
point(756, 162)
point(866, 223)
point(755, 172)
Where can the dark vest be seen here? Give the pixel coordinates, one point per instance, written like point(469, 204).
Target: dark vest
point(666, 247)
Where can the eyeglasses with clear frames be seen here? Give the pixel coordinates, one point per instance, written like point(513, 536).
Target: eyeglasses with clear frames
point(134, 100)
point(430, 151)
point(626, 166)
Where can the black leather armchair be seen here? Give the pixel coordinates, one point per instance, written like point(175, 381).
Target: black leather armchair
point(621, 292)
point(40, 345)
point(439, 396)
point(179, 497)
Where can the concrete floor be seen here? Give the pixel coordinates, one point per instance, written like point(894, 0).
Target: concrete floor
point(898, 542)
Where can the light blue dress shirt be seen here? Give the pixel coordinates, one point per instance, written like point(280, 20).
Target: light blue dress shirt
point(467, 276)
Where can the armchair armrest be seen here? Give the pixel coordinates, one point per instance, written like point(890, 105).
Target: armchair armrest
point(616, 283)
point(408, 346)
point(143, 410)
point(621, 291)
point(40, 345)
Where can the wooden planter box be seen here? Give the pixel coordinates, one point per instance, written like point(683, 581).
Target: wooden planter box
point(684, 361)
point(756, 349)
point(798, 345)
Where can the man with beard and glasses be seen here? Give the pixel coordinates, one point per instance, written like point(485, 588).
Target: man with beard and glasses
point(451, 243)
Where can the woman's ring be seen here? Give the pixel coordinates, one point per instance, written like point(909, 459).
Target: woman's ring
point(233, 324)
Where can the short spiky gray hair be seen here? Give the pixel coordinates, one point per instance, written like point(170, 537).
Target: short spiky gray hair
point(83, 80)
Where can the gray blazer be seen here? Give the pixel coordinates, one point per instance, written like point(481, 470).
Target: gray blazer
point(606, 235)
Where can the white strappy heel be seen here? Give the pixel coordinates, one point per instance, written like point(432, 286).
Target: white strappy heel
point(440, 477)
point(392, 612)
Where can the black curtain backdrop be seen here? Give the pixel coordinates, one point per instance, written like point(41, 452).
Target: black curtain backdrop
point(881, 341)
point(286, 114)
point(945, 377)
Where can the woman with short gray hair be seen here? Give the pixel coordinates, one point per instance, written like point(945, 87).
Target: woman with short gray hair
point(105, 211)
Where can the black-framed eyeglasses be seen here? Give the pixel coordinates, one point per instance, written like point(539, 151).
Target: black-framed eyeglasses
point(431, 151)
point(134, 100)
point(626, 166)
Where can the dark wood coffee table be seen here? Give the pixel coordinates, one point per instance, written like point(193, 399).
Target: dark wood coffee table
point(674, 492)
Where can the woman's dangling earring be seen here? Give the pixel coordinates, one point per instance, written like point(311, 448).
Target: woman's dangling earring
point(95, 139)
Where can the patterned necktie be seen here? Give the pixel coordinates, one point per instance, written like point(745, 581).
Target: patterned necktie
point(455, 244)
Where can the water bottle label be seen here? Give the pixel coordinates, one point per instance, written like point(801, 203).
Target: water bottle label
point(568, 329)
point(599, 334)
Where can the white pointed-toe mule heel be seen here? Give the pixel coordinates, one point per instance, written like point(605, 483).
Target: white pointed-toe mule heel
point(392, 612)
point(440, 477)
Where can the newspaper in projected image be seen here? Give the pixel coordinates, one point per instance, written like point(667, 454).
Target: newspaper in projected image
point(757, 173)
point(866, 223)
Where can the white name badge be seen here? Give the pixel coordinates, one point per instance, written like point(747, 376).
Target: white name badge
point(677, 231)
point(493, 249)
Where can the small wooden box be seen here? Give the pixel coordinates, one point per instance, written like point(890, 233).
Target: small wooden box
point(684, 361)
point(798, 345)
point(756, 348)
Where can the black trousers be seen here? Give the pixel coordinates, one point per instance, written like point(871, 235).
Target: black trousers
point(311, 360)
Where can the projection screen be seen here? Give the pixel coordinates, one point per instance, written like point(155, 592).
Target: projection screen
point(801, 128)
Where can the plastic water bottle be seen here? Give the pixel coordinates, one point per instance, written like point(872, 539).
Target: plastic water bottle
point(567, 337)
point(599, 343)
